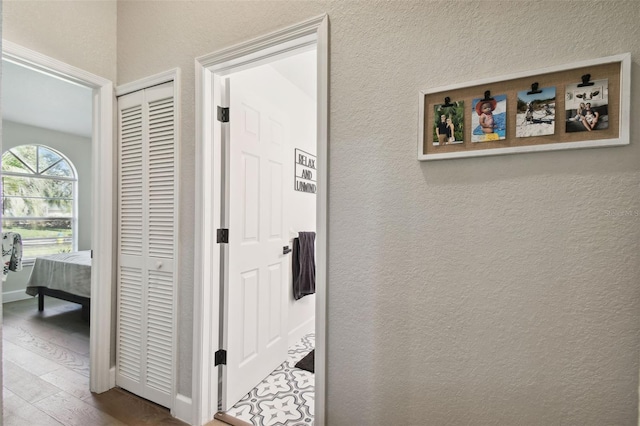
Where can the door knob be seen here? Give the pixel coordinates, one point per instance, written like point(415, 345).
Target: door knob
point(286, 250)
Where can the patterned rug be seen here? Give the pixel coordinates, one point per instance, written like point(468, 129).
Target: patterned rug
point(286, 397)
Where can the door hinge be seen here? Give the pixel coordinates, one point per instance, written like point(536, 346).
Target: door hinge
point(223, 236)
point(223, 114)
point(221, 357)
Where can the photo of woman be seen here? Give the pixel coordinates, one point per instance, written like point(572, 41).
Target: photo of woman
point(587, 107)
point(448, 126)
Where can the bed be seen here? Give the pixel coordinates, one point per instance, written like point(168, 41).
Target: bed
point(65, 276)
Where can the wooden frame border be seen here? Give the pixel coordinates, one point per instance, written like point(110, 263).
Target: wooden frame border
point(623, 96)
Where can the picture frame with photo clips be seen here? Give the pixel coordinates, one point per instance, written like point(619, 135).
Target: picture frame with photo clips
point(579, 105)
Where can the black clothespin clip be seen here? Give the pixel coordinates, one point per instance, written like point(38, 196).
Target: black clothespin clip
point(487, 96)
point(585, 81)
point(534, 89)
point(447, 102)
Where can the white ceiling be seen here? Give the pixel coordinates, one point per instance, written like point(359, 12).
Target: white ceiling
point(299, 69)
point(41, 100)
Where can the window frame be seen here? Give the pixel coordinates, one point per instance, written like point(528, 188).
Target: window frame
point(38, 175)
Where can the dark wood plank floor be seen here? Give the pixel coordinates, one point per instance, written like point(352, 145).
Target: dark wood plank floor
point(46, 373)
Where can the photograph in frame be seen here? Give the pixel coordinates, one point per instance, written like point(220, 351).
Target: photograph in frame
point(448, 126)
point(488, 119)
point(587, 108)
point(536, 114)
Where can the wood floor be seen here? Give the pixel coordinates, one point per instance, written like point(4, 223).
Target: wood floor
point(46, 373)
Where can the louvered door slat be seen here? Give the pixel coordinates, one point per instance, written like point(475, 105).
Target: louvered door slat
point(159, 330)
point(130, 185)
point(130, 330)
point(161, 176)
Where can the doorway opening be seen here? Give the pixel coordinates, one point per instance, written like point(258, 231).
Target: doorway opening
point(95, 234)
point(271, 179)
point(230, 173)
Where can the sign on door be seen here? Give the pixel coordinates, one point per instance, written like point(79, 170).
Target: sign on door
point(305, 166)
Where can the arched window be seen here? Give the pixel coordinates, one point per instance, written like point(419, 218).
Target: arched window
point(39, 199)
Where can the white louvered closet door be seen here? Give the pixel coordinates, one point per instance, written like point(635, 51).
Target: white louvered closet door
point(145, 351)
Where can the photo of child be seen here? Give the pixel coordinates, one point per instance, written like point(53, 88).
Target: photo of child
point(536, 113)
point(488, 119)
point(448, 126)
point(587, 107)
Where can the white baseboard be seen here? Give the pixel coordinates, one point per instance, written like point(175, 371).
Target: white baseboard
point(183, 409)
point(303, 329)
point(14, 296)
point(112, 377)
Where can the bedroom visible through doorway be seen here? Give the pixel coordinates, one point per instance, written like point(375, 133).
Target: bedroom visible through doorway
point(47, 191)
point(59, 129)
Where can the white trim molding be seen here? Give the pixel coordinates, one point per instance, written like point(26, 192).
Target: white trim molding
point(209, 69)
point(183, 408)
point(101, 204)
point(153, 80)
point(301, 330)
point(112, 376)
point(322, 223)
point(14, 296)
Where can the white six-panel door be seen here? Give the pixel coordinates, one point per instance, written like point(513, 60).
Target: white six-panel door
point(256, 292)
point(145, 347)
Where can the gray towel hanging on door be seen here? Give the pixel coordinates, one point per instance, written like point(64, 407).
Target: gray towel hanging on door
point(304, 265)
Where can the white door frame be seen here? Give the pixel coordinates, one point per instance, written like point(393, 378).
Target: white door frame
point(102, 377)
point(209, 69)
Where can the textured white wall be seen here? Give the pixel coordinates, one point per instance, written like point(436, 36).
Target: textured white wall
point(301, 206)
point(78, 150)
point(479, 291)
point(476, 291)
point(80, 33)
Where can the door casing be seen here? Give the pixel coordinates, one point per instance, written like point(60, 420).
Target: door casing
point(208, 256)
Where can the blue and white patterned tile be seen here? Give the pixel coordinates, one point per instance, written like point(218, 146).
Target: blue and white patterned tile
point(286, 397)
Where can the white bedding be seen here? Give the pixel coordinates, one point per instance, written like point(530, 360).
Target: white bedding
point(70, 272)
